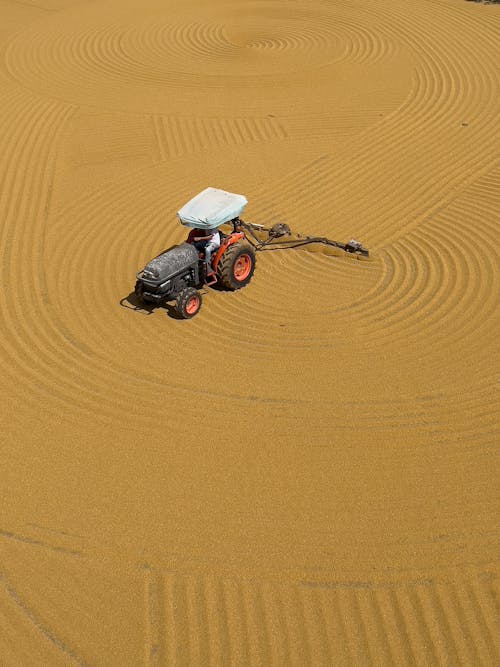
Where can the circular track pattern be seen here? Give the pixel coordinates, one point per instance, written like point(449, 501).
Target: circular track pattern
point(303, 472)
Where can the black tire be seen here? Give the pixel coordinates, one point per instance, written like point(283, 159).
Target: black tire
point(138, 291)
point(188, 303)
point(238, 258)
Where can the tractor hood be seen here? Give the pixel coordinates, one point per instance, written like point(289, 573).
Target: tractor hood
point(170, 263)
point(211, 208)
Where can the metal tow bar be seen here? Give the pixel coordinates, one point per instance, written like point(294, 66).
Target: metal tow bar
point(276, 239)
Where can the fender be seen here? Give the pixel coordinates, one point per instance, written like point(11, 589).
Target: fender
point(229, 240)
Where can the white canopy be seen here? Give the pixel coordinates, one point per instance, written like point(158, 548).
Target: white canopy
point(210, 208)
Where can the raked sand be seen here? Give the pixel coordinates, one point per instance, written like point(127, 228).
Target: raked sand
point(307, 472)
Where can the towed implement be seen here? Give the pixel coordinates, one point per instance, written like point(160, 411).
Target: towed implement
point(280, 237)
point(219, 250)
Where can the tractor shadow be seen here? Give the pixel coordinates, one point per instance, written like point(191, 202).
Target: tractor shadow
point(131, 302)
point(170, 311)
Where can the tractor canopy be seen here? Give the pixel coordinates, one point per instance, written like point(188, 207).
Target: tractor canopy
point(210, 208)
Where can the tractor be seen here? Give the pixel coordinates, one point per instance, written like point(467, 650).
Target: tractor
point(180, 272)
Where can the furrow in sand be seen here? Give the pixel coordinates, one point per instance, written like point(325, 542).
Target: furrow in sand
point(308, 188)
point(483, 606)
point(217, 625)
point(341, 649)
point(475, 265)
point(387, 273)
point(37, 355)
point(258, 631)
point(470, 628)
point(361, 648)
point(206, 40)
point(366, 641)
point(462, 286)
point(437, 96)
point(179, 136)
point(494, 584)
point(161, 142)
point(448, 239)
point(20, 642)
point(60, 649)
point(371, 605)
point(416, 628)
point(16, 104)
point(240, 130)
point(324, 620)
point(99, 51)
point(424, 284)
point(480, 642)
point(105, 258)
point(458, 324)
point(237, 627)
point(75, 599)
point(465, 645)
point(228, 131)
point(199, 653)
point(119, 52)
point(21, 214)
point(98, 57)
point(361, 44)
point(437, 625)
point(217, 128)
point(81, 246)
point(315, 632)
point(297, 648)
point(334, 126)
point(153, 604)
point(405, 283)
point(68, 271)
point(344, 625)
point(183, 655)
point(425, 292)
point(209, 131)
point(169, 633)
point(393, 626)
point(275, 624)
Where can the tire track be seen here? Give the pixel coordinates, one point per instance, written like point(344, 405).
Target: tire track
point(153, 654)
point(19, 605)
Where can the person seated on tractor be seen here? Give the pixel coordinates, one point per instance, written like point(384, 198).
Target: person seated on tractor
point(205, 241)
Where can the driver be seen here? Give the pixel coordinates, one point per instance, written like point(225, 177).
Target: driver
point(206, 241)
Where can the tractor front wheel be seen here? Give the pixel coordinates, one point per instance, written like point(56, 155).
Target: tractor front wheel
point(138, 291)
point(236, 266)
point(188, 303)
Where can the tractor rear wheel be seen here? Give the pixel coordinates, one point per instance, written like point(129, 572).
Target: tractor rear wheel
point(188, 303)
point(236, 266)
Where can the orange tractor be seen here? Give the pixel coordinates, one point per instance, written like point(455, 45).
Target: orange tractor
point(211, 256)
point(181, 271)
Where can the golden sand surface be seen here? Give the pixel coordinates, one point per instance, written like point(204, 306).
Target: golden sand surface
point(306, 473)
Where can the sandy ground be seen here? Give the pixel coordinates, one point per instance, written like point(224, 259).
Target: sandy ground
point(307, 472)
